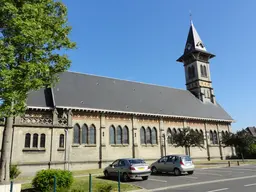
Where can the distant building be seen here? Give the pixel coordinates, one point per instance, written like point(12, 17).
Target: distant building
point(88, 121)
point(252, 130)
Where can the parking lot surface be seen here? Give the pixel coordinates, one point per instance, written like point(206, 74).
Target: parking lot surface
point(235, 179)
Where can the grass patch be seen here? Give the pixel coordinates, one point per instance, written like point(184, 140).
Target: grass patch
point(82, 185)
point(86, 172)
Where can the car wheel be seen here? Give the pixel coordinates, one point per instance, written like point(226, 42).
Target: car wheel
point(177, 172)
point(154, 170)
point(190, 172)
point(106, 174)
point(125, 177)
point(145, 178)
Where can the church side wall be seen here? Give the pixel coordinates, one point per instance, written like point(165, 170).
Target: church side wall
point(91, 156)
point(196, 152)
point(170, 148)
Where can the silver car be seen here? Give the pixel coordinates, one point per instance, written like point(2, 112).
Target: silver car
point(128, 168)
point(177, 164)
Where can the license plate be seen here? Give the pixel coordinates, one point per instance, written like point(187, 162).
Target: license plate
point(141, 168)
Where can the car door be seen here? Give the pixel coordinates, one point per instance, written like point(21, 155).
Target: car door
point(161, 163)
point(121, 167)
point(113, 169)
point(170, 164)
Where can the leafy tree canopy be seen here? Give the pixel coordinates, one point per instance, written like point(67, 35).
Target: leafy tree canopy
point(32, 36)
point(241, 139)
point(188, 138)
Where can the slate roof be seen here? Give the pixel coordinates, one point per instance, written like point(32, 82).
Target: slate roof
point(76, 90)
point(252, 130)
point(194, 44)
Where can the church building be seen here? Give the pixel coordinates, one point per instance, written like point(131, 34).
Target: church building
point(87, 121)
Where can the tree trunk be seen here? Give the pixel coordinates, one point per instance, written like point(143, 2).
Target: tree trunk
point(6, 151)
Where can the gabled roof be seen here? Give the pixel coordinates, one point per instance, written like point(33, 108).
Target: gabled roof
point(82, 91)
point(252, 130)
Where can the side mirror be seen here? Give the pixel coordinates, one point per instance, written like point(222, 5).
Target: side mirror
point(110, 165)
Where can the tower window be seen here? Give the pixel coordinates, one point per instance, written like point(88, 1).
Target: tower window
point(203, 71)
point(191, 72)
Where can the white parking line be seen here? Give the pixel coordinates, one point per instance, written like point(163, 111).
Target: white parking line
point(201, 183)
point(158, 180)
point(242, 169)
point(214, 174)
point(248, 185)
point(223, 189)
point(191, 177)
point(220, 171)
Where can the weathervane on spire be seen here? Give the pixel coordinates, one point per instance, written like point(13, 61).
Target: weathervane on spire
point(190, 16)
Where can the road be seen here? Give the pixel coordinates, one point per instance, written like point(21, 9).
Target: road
point(229, 179)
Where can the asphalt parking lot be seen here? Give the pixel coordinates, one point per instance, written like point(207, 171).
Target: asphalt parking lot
point(228, 179)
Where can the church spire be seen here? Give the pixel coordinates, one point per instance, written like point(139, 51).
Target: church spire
point(194, 43)
point(197, 67)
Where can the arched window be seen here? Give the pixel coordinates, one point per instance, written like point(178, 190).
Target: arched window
point(61, 141)
point(169, 136)
point(85, 134)
point(174, 131)
point(215, 138)
point(189, 72)
point(192, 71)
point(119, 135)
point(148, 136)
point(202, 70)
point(211, 137)
point(27, 140)
point(76, 134)
point(205, 72)
point(125, 135)
point(222, 134)
point(202, 136)
point(179, 130)
point(112, 133)
point(42, 140)
point(154, 136)
point(142, 135)
point(35, 140)
point(92, 134)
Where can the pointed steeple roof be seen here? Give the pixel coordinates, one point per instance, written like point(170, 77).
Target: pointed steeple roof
point(194, 43)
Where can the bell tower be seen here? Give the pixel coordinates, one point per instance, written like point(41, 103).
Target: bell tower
point(197, 67)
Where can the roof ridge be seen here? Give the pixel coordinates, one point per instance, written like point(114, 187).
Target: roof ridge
point(180, 89)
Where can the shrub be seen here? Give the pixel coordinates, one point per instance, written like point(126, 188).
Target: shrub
point(104, 187)
point(14, 171)
point(44, 180)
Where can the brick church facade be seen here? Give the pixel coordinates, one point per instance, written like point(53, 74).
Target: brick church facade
point(88, 121)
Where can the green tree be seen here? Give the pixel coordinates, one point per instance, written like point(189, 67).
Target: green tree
point(188, 138)
point(33, 35)
point(242, 140)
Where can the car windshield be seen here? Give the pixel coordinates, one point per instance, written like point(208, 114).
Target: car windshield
point(136, 161)
point(186, 158)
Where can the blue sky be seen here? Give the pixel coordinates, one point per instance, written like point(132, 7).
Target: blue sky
point(140, 40)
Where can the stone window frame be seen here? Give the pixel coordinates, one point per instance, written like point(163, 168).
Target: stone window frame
point(33, 142)
point(62, 141)
point(191, 72)
point(83, 135)
point(146, 136)
point(213, 137)
point(203, 70)
point(117, 135)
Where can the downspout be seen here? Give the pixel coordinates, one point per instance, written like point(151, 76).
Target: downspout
point(207, 144)
point(65, 155)
point(221, 153)
point(133, 140)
